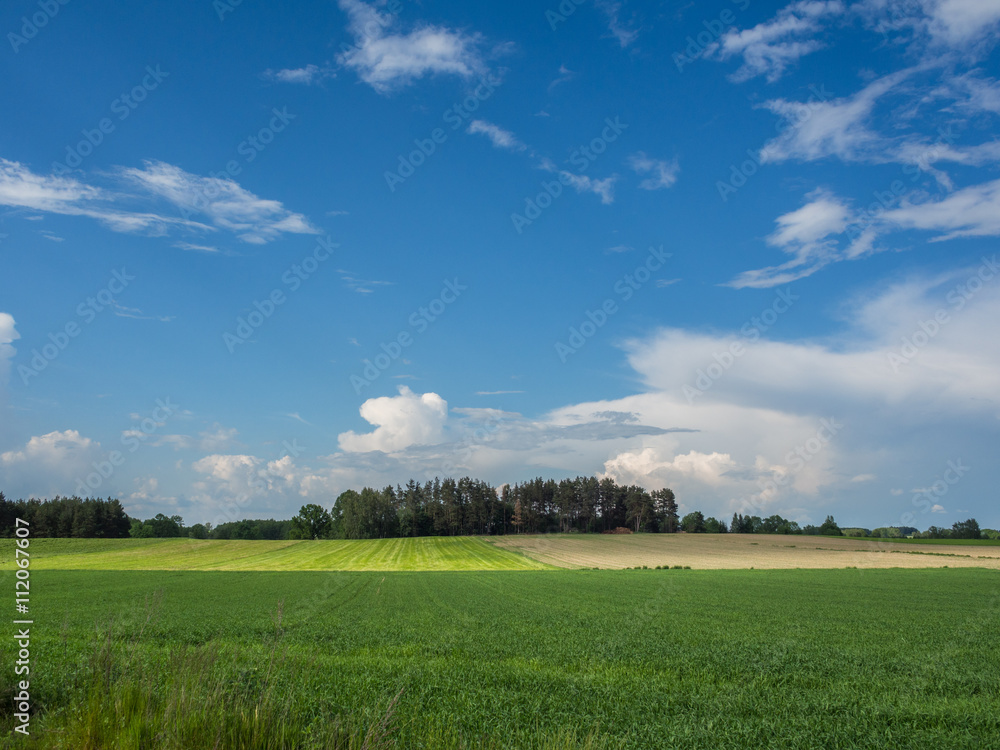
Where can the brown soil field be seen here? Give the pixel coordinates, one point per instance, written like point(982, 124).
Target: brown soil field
point(741, 551)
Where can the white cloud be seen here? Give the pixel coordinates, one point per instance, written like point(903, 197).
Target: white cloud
point(22, 188)
point(605, 188)
point(619, 30)
point(937, 508)
point(49, 464)
point(646, 467)
point(217, 439)
point(804, 234)
point(810, 233)
point(227, 205)
point(401, 421)
point(51, 449)
point(770, 47)
point(751, 442)
point(308, 75)
point(8, 335)
point(959, 23)
point(837, 127)
point(223, 201)
point(663, 174)
point(970, 212)
point(498, 136)
point(565, 74)
point(196, 248)
point(822, 216)
point(386, 60)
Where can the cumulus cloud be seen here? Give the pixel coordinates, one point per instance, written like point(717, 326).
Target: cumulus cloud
point(801, 428)
point(387, 61)
point(52, 463)
point(662, 174)
point(400, 421)
point(647, 465)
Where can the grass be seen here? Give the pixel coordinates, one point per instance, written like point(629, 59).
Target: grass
point(527, 659)
point(424, 553)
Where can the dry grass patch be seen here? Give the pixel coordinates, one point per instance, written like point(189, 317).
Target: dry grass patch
point(741, 551)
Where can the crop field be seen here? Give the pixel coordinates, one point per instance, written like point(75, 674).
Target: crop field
point(741, 551)
point(424, 553)
point(513, 659)
point(528, 552)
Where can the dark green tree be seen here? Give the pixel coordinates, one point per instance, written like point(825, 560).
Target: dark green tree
point(968, 529)
point(694, 523)
point(665, 508)
point(715, 526)
point(312, 522)
point(829, 527)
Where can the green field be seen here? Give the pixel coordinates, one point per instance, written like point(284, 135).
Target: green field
point(423, 553)
point(530, 659)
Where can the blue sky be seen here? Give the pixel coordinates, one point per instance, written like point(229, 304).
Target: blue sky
point(254, 254)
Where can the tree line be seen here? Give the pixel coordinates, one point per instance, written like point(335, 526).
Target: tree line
point(446, 507)
point(469, 507)
point(66, 517)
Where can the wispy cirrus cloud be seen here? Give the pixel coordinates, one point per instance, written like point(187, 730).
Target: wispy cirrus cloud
point(223, 202)
point(305, 76)
point(662, 173)
point(807, 235)
point(227, 205)
point(838, 127)
point(621, 30)
point(498, 136)
point(22, 188)
point(827, 229)
point(769, 48)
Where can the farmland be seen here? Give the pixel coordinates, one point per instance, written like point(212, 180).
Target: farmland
point(508, 657)
point(522, 552)
point(741, 551)
point(425, 553)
